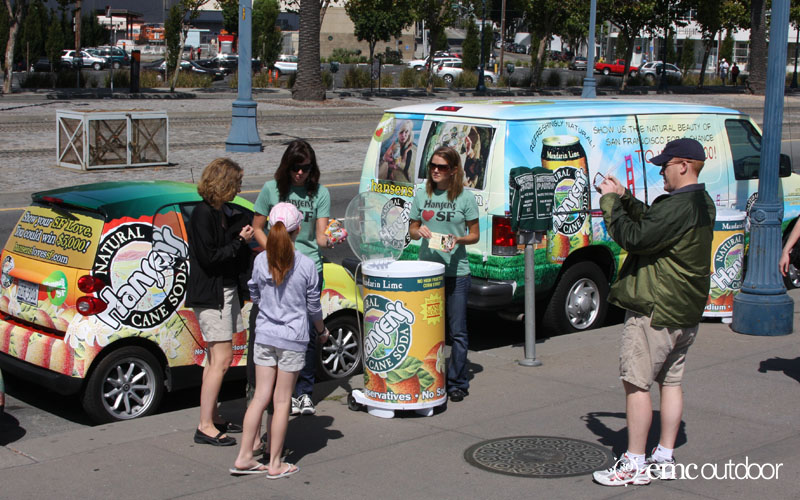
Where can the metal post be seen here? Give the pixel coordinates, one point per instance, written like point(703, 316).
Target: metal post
point(481, 87)
point(796, 46)
point(243, 137)
point(763, 307)
point(529, 238)
point(589, 83)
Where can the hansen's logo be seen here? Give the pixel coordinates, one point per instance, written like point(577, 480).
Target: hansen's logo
point(394, 223)
point(388, 324)
point(727, 273)
point(146, 270)
point(571, 200)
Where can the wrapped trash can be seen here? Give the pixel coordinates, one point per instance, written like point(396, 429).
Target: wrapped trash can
point(727, 259)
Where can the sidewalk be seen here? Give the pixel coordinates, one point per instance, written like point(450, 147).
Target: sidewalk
point(742, 396)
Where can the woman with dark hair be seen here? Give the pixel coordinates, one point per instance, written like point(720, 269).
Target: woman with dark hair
point(215, 256)
point(285, 285)
point(297, 182)
point(446, 209)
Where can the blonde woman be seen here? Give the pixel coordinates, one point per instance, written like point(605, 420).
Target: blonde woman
point(212, 288)
point(399, 156)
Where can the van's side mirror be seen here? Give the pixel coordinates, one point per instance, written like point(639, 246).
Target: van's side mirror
point(785, 166)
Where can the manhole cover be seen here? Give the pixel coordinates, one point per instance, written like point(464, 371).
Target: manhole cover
point(539, 456)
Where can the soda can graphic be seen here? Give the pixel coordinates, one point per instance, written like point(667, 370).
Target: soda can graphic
point(572, 223)
point(727, 259)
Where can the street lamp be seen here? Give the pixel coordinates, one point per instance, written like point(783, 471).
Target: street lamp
point(589, 84)
point(481, 87)
point(796, 46)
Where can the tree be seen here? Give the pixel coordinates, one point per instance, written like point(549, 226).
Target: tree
point(55, 41)
point(726, 51)
point(546, 18)
point(575, 27)
point(267, 38)
point(376, 20)
point(687, 56)
point(14, 20)
point(172, 40)
point(92, 32)
point(30, 44)
point(188, 10)
point(437, 15)
point(230, 15)
point(757, 65)
point(631, 17)
point(308, 84)
point(712, 18)
point(470, 49)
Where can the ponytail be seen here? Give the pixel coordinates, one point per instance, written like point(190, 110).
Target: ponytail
point(280, 252)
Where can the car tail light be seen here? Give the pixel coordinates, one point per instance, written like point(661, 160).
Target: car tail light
point(504, 240)
point(448, 108)
point(90, 284)
point(88, 306)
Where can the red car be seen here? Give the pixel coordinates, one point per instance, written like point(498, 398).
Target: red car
point(615, 68)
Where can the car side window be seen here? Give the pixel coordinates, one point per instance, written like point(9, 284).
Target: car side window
point(745, 144)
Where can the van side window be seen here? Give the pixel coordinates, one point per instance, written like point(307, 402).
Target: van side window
point(472, 143)
point(745, 144)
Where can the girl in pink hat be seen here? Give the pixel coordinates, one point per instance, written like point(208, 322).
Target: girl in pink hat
point(285, 286)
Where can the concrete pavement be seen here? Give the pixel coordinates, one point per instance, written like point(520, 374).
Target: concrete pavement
point(742, 398)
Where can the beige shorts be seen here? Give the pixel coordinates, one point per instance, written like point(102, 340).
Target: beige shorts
point(651, 354)
point(219, 325)
point(286, 360)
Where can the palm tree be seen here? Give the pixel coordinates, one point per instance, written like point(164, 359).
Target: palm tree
point(308, 84)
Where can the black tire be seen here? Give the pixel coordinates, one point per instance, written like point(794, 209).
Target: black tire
point(651, 78)
point(606, 71)
point(340, 357)
point(634, 73)
point(487, 80)
point(352, 404)
point(116, 65)
point(792, 278)
point(97, 66)
point(579, 301)
point(448, 79)
point(109, 395)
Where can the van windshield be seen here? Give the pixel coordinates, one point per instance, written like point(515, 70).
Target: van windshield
point(472, 143)
point(56, 235)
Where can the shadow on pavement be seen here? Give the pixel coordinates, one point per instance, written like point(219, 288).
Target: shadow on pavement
point(10, 429)
point(789, 367)
point(618, 439)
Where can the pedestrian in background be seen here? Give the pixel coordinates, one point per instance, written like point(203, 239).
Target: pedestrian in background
point(216, 256)
point(297, 182)
point(735, 74)
point(723, 70)
point(663, 286)
point(285, 285)
point(444, 207)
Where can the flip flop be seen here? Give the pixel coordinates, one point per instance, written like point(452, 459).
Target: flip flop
point(288, 472)
point(256, 469)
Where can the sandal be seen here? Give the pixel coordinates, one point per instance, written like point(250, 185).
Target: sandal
point(290, 469)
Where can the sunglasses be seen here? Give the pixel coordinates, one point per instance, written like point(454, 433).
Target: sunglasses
point(305, 168)
point(437, 166)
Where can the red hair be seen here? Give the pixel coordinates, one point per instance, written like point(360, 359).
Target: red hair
point(280, 253)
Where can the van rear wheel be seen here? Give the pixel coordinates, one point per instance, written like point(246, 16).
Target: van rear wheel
point(126, 384)
point(579, 301)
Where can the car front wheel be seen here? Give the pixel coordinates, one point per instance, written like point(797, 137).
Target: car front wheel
point(448, 79)
point(606, 71)
point(97, 66)
point(340, 356)
point(126, 384)
point(117, 65)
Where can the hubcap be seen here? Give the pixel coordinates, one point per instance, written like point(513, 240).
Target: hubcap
point(341, 353)
point(583, 303)
point(128, 388)
point(794, 276)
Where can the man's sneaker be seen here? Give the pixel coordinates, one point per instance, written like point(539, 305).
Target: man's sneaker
point(661, 469)
point(296, 407)
point(306, 405)
point(622, 473)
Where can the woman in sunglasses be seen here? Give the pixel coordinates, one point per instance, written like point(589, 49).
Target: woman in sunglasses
point(297, 182)
point(445, 211)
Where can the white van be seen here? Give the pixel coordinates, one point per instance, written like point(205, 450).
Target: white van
point(577, 260)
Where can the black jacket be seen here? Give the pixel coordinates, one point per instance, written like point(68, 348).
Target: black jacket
point(215, 250)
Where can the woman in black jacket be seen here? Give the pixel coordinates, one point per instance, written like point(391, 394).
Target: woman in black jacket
point(214, 271)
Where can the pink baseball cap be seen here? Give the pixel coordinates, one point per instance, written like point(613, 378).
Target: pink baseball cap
point(286, 213)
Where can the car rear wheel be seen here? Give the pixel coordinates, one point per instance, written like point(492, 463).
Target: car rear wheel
point(448, 79)
point(97, 66)
point(340, 356)
point(126, 384)
point(487, 80)
point(579, 301)
point(606, 71)
point(117, 65)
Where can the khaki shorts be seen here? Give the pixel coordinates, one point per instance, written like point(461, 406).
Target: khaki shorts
point(650, 354)
point(285, 359)
point(219, 325)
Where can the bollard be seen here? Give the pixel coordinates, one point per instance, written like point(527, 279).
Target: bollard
point(529, 238)
point(136, 57)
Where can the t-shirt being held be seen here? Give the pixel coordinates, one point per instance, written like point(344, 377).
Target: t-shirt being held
point(441, 215)
point(312, 209)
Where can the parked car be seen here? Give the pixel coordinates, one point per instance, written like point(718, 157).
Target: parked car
point(449, 71)
point(42, 64)
point(652, 70)
point(229, 63)
point(578, 63)
point(420, 64)
point(443, 53)
point(286, 64)
point(87, 60)
point(615, 68)
point(92, 292)
point(114, 56)
point(193, 66)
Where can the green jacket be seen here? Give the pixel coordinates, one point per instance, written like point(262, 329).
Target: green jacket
point(666, 272)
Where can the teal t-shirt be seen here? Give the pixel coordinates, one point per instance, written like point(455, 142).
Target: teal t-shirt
point(312, 209)
point(441, 215)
